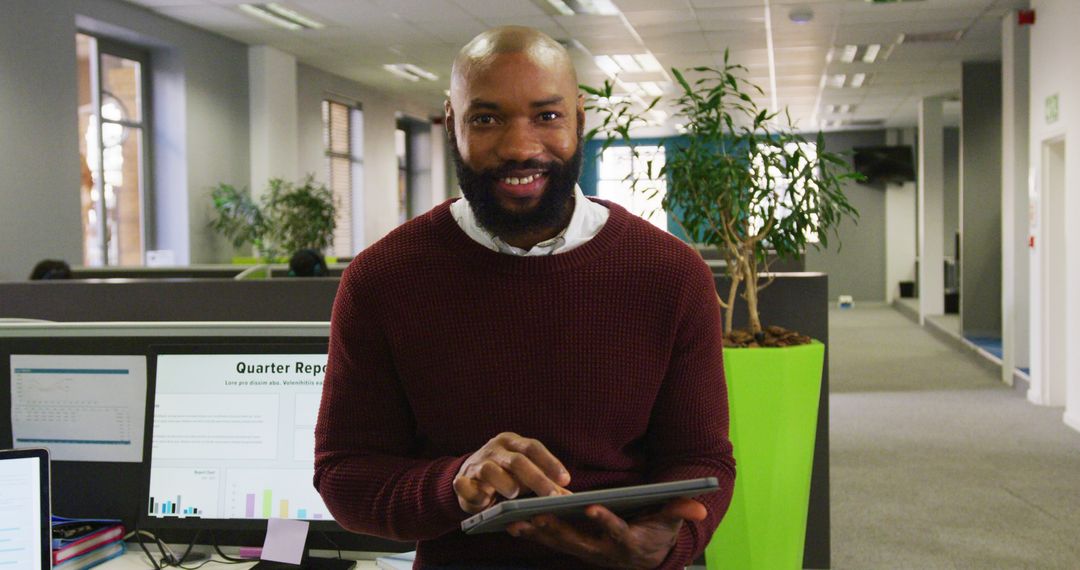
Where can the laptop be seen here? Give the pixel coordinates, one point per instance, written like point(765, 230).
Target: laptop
point(25, 510)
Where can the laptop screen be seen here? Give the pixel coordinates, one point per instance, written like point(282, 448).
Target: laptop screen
point(25, 521)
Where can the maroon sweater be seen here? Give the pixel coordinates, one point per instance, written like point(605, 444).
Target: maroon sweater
point(609, 354)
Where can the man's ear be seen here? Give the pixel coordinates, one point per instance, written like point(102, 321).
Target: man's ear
point(448, 118)
point(581, 113)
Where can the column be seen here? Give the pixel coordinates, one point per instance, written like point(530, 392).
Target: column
point(1015, 302)
point(272, 84)
point(931, 208)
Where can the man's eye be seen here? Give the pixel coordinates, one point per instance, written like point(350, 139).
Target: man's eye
point(483, 120)
point(549, 116)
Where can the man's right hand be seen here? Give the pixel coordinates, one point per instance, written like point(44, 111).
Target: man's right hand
point(509, 465)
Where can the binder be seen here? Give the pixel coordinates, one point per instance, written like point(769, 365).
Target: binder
point(77, 537)
point(94, 557)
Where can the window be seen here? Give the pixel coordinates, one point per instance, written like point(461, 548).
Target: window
point(113, 136)
point(647, 200)
point(785, 195)
point(343, 142)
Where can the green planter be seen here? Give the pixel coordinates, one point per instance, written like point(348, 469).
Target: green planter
point(773, 395)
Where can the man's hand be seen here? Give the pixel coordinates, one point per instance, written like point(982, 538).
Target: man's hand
point(642, 543)
point(509, 465)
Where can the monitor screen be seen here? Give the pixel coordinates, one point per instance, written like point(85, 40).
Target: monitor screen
point(233, 434)
point(885, 164)
point(25, 527)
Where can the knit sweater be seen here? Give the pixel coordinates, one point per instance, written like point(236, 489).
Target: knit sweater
point(609, 354)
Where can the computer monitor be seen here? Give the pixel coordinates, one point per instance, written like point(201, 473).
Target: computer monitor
point(25, 510)
point(233, 435)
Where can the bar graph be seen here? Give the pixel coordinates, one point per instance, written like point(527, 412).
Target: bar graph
point(200, 497)
point(273, 493)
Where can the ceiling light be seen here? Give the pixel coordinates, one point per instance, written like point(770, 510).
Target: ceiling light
point(652, 88)
point(857, 80)
point(846, 108)
point(836, 80)
point(648, 62)
point(561, 7)
point(871, 53)
point(627, 62)
point(410, 72)
point(801, 15)
point(281, 16)
point(607, 64)
point(847, 55)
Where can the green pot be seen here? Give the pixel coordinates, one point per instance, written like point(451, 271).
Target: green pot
point(773, 395)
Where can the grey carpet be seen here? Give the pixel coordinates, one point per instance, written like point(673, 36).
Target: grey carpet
point(935, 463)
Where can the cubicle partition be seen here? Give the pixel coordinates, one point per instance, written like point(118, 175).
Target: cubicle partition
point(793, 300)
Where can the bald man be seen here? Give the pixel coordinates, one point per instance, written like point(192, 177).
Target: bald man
point(523, 340)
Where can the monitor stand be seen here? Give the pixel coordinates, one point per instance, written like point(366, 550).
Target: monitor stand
point(308, 563)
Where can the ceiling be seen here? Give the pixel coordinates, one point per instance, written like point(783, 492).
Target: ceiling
point(363, 35)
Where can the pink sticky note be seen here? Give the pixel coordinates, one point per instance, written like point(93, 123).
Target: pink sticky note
point(285, 539)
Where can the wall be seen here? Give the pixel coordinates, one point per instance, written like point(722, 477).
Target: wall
point(203, 130)
point(980, 200)
point(379, 201)
point(1054, 45)
point(855, 260)
point(952, 189)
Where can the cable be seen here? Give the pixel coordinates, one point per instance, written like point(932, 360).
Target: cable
point(213, 539)
point(332, 543)
point(138, 535)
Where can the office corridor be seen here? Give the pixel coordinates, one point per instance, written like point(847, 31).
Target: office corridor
point(937, 464)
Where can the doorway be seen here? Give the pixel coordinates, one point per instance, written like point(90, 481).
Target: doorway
point(1050, 388)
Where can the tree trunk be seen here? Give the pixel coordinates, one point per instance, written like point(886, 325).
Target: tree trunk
point(733, 293)
point(752, 294)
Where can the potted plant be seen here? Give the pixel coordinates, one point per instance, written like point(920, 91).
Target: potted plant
point(744, 181)
point(286, 218)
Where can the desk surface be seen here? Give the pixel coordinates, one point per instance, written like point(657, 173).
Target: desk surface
point(134, 559)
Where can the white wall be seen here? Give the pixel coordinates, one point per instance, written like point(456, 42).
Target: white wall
point(1054, 45)
point(272, 109)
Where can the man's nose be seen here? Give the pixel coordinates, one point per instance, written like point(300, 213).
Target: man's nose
point(520, 142)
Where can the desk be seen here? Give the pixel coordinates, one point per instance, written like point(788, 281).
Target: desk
point(134, 559)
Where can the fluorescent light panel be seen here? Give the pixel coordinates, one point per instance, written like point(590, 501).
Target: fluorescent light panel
point(857, 80)
point(633, 63)
point(410, 72)
point(607, 64)
point(561, 7)
point(627, 62)
point(281, 16)
point(871, 53)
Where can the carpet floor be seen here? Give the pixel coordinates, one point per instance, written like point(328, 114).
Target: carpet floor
point(937, 464)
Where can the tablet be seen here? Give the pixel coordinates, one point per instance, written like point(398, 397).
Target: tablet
point(623, 501)
point(25, 511)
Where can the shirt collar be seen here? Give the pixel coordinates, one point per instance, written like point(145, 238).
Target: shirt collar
point(586, 221)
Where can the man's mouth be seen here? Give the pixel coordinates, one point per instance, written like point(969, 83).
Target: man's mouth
point(527, 186)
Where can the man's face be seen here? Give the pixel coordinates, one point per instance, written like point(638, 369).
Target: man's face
point(515, 132)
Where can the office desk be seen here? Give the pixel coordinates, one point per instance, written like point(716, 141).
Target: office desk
point(134, 559)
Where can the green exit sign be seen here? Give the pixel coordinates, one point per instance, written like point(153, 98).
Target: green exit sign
point(1051, 107)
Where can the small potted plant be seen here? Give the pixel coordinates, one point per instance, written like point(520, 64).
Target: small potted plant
point(744, 181)
point(287, 218)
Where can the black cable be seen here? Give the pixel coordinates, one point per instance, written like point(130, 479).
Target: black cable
point(138, 536)
point(332, 543)
point(190, 545)
point(213, 539)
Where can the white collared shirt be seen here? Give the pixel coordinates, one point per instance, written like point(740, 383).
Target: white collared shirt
point(587, 220)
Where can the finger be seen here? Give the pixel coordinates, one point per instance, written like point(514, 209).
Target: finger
point(684, 510)
point(528, 474)
point(611, 523)
point(496, 476)
point(542, 458)
point(473, 496)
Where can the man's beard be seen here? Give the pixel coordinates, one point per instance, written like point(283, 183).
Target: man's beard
point(553, 210)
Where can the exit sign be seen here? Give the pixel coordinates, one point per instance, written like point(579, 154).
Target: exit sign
point(1051, 107)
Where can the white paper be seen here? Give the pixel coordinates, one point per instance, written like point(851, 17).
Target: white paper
point(81, 407)
point(285, 539)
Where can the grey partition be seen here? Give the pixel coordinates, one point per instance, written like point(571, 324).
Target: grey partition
point(800, 301)
point(204, 271)
point(297, 299)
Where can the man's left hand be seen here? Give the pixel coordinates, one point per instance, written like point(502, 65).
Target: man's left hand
point(643, 542)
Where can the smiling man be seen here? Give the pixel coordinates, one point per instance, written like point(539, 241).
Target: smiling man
point(523, 340)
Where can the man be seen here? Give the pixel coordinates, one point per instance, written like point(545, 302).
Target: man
point(523, 340)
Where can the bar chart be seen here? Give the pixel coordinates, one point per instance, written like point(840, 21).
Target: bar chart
point(200, 496)
point(273, 493)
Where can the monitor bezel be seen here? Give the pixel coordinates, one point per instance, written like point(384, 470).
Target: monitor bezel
point(303, 346)
point(45, 494)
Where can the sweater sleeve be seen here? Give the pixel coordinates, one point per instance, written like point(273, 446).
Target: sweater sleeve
point(688, 431)
point(365, 467)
